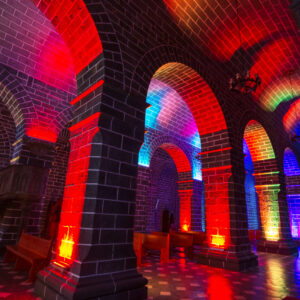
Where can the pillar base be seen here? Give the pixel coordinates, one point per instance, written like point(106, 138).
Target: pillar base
point(224, 259)
point(284, 247)
point(54, 284)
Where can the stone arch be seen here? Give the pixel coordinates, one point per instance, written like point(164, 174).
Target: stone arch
point(74, 23)
point(7, 136)
point(266, 178)
point(215, 145)
point(16, 99)
point(182, 158)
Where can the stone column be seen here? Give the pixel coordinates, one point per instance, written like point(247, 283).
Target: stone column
point(227, 244)
point(142, 199)
point(276, 236)
point(185, 192)
point(94, 255)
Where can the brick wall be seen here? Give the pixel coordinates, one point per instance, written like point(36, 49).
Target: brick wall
point(30, 44)
point(7, 136)
point(163, 192)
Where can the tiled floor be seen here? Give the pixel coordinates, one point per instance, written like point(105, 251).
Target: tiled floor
point(14, 284)
point(276, 277)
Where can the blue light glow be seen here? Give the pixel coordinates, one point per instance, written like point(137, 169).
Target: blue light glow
point(250, 192)
point(292, 173)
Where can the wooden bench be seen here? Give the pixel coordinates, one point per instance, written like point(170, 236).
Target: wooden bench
point(138, 247)
point(160, 242)
point(198, 237)
point(182, 239)
point(143, 241)
point(30, 250)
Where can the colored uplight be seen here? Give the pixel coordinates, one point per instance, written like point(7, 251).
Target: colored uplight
point(67, 246)
point(272, 233)
point(185, 206)
point(44, 134)
point(268, 202)
point(82, 135)
point(185, 227)
point(218, 240)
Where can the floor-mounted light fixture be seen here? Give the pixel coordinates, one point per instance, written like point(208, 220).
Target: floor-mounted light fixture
point(243, 82)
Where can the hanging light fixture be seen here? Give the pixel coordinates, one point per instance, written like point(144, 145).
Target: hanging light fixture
point(294, 137)
point(243, 82)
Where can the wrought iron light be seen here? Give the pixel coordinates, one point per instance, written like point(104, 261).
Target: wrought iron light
point(243, 82)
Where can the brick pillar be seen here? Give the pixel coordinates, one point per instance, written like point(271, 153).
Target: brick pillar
point(276, 236)
point(28, 151)
point(94, 256)
point(142, 199)
point(198, 211)
point(227, 244)
point(293, 199)
point(11, 221)
point(185, 192)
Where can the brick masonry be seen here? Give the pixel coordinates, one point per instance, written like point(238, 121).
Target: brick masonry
point(134, 47)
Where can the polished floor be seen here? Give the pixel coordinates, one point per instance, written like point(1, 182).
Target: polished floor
point(276, 278)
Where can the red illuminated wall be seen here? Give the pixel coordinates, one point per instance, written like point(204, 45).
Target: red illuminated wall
point(196, 93)
point(217, 206)
point(184, 176)
point(70, 222)
point(76, 26)
point(211, 125)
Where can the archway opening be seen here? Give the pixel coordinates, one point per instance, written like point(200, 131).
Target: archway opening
point(266, 179)
point(182, 106)
point(292, 180)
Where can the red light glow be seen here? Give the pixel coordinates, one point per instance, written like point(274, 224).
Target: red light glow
point(74, 23)
point(181, 161)
point(82, 135)
point(196, 93)
point(88, 91)
point(185, 227)
point(66, 247)
point(217, 211)
point(218, 240)
point(185, 204)
point(44, 134)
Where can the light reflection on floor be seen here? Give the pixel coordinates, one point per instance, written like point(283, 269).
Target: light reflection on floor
point(276, 277)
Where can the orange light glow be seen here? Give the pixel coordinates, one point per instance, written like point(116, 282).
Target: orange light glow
point(218, 240)
point(185, 227)
point(66, 247)
point(272, 234)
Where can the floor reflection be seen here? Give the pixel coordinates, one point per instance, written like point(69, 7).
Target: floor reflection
point(276, 277)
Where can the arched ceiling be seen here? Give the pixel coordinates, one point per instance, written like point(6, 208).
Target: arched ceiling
point(31, 44)
point(268, 33)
